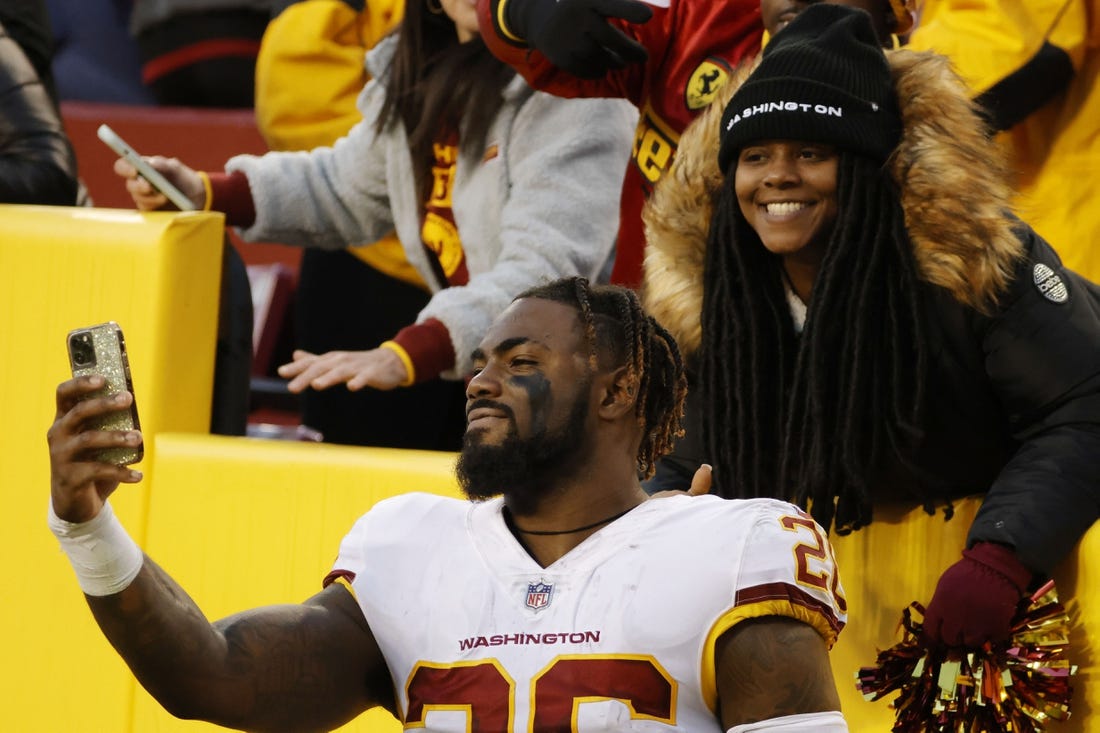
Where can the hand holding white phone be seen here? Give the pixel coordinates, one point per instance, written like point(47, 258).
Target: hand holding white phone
point(148, 172)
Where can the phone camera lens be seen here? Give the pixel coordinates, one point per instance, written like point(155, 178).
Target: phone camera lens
point(82, 350)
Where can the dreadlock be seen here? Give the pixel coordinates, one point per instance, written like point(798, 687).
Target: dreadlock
point(811, 418)
point(616, 327)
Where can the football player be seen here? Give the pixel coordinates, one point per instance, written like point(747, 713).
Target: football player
point(556, 598)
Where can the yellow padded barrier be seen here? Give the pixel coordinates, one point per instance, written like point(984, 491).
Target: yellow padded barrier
point(242, 522)
point(63, 268)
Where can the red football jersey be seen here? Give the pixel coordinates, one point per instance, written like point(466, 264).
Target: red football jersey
point(693, 46)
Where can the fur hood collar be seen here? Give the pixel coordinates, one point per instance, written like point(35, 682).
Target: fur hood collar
point(954, 184)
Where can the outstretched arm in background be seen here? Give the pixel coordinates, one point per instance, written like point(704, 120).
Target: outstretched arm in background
point(1042, 356)
point(147, 198)
point(379, 368)
point(574, 35)
point(1016, 55)
point(596, 48)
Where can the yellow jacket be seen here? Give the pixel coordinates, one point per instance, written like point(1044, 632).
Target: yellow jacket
point(1017, 51)
point(309, 74)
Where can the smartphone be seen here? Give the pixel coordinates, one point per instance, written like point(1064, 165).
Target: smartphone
point(148, 172)
point(101, 350)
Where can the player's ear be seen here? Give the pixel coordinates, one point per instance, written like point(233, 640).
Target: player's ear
point(619, 393)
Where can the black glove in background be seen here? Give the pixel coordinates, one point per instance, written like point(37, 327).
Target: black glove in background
point(575, 35)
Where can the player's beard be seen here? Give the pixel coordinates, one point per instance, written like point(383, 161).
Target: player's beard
point(524, 469)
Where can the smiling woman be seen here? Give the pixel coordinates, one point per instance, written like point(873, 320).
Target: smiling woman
point(867, 326)
point(786, 190)
point(804, 202)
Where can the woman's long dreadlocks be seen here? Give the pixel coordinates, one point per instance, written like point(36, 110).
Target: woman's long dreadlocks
point(811, 418)
point(620, 333)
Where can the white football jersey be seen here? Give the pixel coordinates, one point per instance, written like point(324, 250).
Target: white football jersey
point(617, 635)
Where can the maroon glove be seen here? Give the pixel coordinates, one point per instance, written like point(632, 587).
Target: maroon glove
point(977, 597)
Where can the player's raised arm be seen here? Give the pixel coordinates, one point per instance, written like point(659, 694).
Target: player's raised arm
point(301, 667)
point(277, 668)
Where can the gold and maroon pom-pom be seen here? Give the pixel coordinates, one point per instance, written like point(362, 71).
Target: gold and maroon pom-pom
point(1017, 687)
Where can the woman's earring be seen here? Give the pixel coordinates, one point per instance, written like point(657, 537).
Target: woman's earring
point(435, 7)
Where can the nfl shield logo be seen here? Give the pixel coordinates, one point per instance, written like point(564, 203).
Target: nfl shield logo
point(538, 595)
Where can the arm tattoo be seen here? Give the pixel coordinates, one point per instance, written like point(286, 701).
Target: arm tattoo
point(770, 667)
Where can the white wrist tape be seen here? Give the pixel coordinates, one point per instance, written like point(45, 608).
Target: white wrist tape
point(104, 557)
point(828, 722)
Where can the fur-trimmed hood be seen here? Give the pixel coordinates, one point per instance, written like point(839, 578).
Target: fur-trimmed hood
point(954, 184)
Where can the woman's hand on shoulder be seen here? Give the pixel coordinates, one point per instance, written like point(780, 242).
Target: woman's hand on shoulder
point(700, 484)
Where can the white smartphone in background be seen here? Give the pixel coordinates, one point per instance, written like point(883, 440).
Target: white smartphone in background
point(148, 172)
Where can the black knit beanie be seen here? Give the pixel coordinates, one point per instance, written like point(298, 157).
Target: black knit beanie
point(824, 78)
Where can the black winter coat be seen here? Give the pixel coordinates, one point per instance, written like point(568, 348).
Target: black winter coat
point(37, 165)
point(1013, 409)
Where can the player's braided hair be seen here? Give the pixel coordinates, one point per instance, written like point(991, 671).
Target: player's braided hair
point(810, 418)
point(620, 333)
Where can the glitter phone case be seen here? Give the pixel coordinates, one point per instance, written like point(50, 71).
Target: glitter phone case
point(102, 350)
